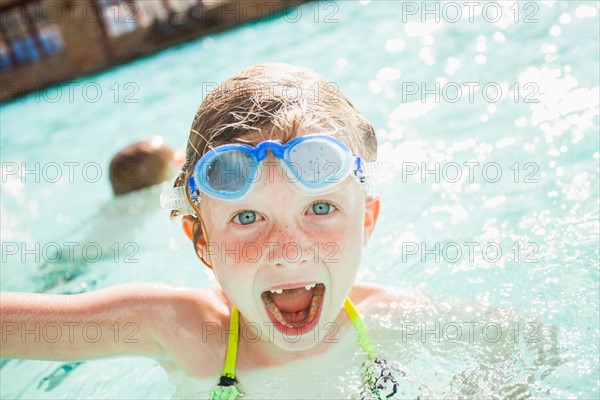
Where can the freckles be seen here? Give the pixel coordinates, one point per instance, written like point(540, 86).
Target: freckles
point(236, 255)
point(289, 237)
point(338, 248)
point(321, 236)
point(336, 236)
point(251, 252)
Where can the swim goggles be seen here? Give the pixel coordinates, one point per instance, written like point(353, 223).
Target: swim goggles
point(315, 164)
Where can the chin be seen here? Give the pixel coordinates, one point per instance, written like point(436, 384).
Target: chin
point(296, 343)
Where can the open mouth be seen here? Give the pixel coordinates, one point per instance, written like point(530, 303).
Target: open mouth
point(295, 310)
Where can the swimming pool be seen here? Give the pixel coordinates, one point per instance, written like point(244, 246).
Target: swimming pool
point(495, 200)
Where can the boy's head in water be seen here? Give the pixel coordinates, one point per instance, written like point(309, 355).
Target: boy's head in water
point(140, 165)
point(277, 237)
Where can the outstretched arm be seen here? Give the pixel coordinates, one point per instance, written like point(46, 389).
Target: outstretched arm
point(121, 320)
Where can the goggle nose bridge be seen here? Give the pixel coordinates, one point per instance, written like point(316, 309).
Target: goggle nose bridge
point(277, 149)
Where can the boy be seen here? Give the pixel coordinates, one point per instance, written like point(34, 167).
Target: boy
point(140, 165)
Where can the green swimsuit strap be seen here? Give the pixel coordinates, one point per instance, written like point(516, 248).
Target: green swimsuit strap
point(230, 358)
point(226, 390)
point(363, 340)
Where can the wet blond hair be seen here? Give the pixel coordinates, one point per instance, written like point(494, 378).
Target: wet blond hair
point(278, 101)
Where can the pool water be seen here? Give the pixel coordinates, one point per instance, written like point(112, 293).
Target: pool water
point(493, 213)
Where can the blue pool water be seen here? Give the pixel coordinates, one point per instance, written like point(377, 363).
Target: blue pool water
point(518, 231)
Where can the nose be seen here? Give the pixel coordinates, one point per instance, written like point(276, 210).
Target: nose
point(287, 246)
point(286, 240)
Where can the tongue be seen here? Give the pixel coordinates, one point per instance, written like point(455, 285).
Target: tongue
point(293, 300)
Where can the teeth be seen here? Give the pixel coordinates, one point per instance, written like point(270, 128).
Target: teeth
point(280, 291)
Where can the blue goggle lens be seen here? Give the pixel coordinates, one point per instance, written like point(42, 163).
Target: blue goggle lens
point(318, 163)
point(227, 172)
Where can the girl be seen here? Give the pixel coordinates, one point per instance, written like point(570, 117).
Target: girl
point(274, 197)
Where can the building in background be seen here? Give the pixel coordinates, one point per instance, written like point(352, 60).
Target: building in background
point(43, 42)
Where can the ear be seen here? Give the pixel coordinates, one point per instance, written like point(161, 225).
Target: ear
point(371, 216)
point(188, 223)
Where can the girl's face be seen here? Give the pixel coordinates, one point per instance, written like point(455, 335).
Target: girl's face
point(286, 260)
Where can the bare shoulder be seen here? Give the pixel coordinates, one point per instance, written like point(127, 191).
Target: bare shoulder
point(368, 297)
point(187, 322)
point(180, 319)
point(160, 306)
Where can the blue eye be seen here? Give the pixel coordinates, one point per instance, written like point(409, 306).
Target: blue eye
point(322, 208)
point(245, 217)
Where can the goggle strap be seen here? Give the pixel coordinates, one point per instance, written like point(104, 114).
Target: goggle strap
point(175, 199)
point(378, 171)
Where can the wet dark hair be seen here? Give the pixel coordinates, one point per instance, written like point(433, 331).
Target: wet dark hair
point(140, 165)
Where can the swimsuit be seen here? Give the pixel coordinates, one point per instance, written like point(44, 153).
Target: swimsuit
point(378, 380)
